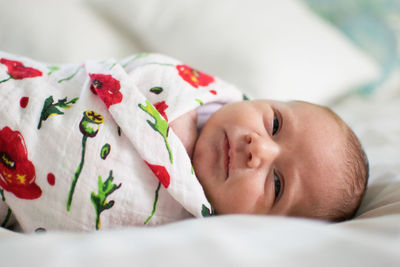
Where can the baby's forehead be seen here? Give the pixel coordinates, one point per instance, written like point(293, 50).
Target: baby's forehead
point(317, 114)
point(307, 106)
point(318, 153)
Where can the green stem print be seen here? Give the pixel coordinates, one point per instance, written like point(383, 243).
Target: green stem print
point(52, 69)
point(77, 173)
point(72, 75)
point(99, 200)
point(161, 125)
point(9, 78)
point(135, 58)
point(89, 127)
point(7, 218)
point(113, 65)
point(154, 204)
point(49, 108)
point(2, 194)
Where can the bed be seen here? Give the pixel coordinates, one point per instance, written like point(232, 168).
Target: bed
point(344, 54)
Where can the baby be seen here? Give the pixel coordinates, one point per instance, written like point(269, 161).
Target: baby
point(226, 154)
point(291, 158)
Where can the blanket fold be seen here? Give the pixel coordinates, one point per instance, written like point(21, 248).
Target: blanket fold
point(90, 147)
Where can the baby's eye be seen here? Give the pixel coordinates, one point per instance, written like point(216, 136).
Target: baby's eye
point(275, 126)
point(277, 183)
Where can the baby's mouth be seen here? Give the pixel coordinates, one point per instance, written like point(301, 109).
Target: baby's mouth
point(226, 149)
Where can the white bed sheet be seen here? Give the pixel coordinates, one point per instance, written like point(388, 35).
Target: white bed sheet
point(219, 241)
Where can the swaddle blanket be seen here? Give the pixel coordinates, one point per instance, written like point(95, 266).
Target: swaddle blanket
point(89, 146)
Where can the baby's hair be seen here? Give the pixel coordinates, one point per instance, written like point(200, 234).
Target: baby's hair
point(355, 176)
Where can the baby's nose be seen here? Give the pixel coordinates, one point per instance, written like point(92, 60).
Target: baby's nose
point(260, 150)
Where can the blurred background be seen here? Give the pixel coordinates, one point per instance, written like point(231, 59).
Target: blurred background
point(315, 50)
point(372, 25)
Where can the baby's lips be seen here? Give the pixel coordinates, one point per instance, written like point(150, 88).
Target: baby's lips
point(225, 149)
point(228, 154)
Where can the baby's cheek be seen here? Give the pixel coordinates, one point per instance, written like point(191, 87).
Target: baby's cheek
point(243, 194)
point(205, 158)
point(197, 159)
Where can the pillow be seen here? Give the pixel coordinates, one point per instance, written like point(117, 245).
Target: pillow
point(59, 32)
point(273, 49)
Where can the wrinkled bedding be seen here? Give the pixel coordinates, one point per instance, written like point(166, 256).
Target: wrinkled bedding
point(89, 146)
point(215, 241)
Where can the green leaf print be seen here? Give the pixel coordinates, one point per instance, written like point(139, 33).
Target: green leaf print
point(161, 125)
point(105, 150)
point(199, 101)
point(49, 108)
point(99, 200)
point(156, 90)
point(206, 211)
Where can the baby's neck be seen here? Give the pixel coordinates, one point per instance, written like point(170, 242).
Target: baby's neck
point(188, 126)
point(185, 127)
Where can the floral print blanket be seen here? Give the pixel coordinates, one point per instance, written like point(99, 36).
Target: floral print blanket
point(88, 146)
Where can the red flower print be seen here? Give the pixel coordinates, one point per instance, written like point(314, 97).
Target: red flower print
point(161, 173)
point(106, 87)
point(51, 179)
point(161, 107)
point(17, 173)
point(18, 71)
point(194, 77)
point(23, 102)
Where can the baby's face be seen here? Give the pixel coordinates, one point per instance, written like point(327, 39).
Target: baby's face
point(269, 157)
